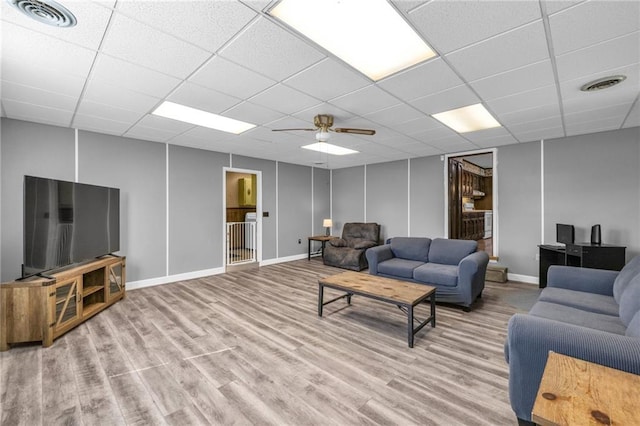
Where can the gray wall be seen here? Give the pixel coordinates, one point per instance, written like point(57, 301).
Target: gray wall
point(594, 179)
point(321, 199)
point(387, 196)
point(427, 209)
point(347, 189)
point(294, 208)
point(28, 149)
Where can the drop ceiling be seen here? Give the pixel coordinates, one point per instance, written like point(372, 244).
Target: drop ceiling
point(523, 60)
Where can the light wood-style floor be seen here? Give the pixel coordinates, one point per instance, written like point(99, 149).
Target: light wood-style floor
point(249, 348)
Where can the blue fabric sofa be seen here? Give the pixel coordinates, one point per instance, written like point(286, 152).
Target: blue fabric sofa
point(590, 314)
point(455, 267)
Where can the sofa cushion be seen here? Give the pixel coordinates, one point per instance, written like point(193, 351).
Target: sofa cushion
point(630, 301)
point(633, 329)
point(361, 243)
point(436, 273)
point(625, 276)
point(450, 252)
point(591, 302)
point(338, 242)
point(398, 267)
point(579, 317)
point(411, 248)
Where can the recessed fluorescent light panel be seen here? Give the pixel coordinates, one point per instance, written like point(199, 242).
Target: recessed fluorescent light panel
point(467, 119)
point(369, 35)
point(201, 118)
point(328, 148)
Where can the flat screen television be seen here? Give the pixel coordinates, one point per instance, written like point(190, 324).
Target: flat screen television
point(67, 223)
point(565, 233)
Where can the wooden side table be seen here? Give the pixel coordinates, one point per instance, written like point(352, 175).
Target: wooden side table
point(323, 239)
point(576, 392)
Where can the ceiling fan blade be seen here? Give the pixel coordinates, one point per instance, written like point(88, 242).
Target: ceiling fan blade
point(286, 130)
point(355, 131)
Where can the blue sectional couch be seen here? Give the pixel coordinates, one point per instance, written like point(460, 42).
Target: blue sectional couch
point(455, 267)
point(590, 314)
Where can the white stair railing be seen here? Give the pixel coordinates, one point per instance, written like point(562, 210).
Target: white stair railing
point(241, 242)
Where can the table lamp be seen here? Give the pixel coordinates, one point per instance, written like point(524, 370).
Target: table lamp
point(327, 223)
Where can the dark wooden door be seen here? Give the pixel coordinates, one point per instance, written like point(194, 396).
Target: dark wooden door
point(455, 198)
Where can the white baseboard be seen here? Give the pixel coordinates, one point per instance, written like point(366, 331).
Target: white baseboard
point(283, 259)
point(173, 278)
point(523, 278)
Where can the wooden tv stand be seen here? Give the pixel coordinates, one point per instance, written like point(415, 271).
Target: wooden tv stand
point(43, 309)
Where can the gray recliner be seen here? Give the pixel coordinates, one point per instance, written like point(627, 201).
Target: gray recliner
point(348, 252)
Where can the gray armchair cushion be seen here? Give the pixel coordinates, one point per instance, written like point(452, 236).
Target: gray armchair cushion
point(597, 303)
point(625, 276)
point(569, 315)
point(361, 243)
point(365, 231)
point(446, 275)
point(633, 329)
point(630, 301)
point(338, 242)
point(414, 248)
point(397, 267)
point(450, 252)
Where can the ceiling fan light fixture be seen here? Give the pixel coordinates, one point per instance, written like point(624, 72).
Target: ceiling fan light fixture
point(467, 119)
point(327, 148)
point(201, 118)
point(323, 136)
point(369, 35)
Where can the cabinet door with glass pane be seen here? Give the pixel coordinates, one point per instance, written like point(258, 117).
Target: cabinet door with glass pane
point(66, 307)
point(116, 281)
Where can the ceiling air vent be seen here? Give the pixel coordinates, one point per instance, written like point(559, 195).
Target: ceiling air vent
point(46, 11)
point(603, 83)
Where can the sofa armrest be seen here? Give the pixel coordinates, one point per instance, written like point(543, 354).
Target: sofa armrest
point(471, 274)
point(529, 340)
point(376, 255)
point(597, 281)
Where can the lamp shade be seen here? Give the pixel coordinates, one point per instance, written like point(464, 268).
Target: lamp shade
point(327, 223)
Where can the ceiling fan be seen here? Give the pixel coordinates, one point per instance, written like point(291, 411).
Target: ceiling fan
point(323, 123)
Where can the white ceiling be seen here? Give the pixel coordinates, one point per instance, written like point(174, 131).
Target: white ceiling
point(524, 60)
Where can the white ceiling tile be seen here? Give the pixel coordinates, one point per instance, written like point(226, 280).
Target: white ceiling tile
point(525, 100)
point(108, 112)
point(455, 143)
point(488, 135)
point(227, 77)
point(138, 43)
point(592, 22)
point(633, 119)
point(514, 49)
point(149, 134)
point(204, 133)
point(35, 96)
point(450, 25)
point(327, 79)
point(408, 5)
point(539, 134)
point(15, 71)
point(430, 77)
point(207, 24)
point(92, 20)
point(532, 126)
point(439, 133)
point(515, 81)
point(446, 100)
point(553, 6)
point(365, 100)
point(289, 122)
point(199, 97)
point(420, 125)
point(421, 150)
point(30, 48)
point(395, 115)
point(531, 114)
point(36, 113)
point(340, 116)
point(119, 97)
point(618, 112)
point(252, 113)
point(131, 76)
point(284, 99)
point(254, 48)
point(496, 141)
point(593, 126)
point(614, 53)
point(166, 124)
point(597, 101)
point(99, 124)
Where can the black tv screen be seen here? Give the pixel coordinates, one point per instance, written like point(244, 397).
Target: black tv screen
point(565, 233)
point(67, 223)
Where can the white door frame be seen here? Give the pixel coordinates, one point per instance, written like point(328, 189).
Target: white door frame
point(494, 151)
point(258, 174)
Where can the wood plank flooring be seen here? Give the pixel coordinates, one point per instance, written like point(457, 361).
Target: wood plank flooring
point(249, 348)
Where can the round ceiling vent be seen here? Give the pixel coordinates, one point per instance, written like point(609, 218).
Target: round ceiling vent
point(603, 83)
point(46, 11)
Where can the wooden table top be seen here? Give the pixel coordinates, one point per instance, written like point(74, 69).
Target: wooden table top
point(321, 237)
point(389, 288)
point(576, 392)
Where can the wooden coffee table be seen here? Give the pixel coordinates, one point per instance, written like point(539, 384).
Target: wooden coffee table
point(403, 294)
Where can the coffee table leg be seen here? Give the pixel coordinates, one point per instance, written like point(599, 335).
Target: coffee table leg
point(433, 310)
point(410, 325)
point(320, 299)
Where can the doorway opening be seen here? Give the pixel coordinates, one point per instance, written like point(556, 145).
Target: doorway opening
point(471, 199)
point(242, 222)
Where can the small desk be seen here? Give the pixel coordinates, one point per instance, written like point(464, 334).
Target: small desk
point(576, 392)
point(323, 239)
point(584, 255)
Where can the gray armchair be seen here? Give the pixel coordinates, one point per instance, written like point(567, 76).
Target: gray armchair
point(348, 252)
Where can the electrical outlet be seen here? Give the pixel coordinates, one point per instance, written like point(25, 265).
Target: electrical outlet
point(299, 240)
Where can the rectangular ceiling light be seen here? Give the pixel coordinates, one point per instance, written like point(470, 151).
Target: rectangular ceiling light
point(467, 119)
point(201, 118)
point(328, 148)
point(369, 35)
